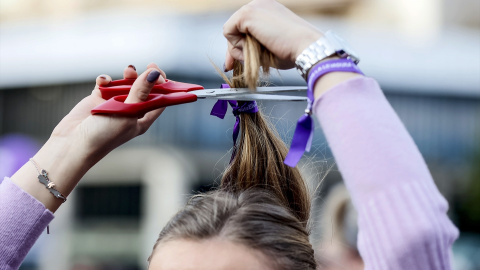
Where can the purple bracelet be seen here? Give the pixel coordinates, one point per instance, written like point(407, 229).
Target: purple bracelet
point(303, 135)
point(220, 109)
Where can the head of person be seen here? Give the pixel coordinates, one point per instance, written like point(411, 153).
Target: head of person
point(258, 218)
point(225, 230)
point(339, 232)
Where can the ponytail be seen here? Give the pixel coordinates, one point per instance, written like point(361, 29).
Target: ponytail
point(259, 156)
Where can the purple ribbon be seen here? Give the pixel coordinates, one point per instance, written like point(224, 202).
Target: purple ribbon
point(220, 109)
point(303, 135)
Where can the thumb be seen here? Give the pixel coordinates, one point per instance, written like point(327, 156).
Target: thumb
point(143, 85)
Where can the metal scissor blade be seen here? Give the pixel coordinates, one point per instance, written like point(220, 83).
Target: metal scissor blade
point(250, 97)
point(279, 90)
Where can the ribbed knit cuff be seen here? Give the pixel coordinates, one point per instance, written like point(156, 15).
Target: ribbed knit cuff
point(22, 221)
point(406, 227)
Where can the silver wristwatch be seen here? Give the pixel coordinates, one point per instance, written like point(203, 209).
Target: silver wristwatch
point(328, 45)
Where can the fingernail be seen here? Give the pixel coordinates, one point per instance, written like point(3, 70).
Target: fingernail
point(132, 66)
point(102, 77)
point(224, 68)
point(153, 76)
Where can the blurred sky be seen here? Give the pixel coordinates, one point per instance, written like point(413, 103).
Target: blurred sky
point(425, 45)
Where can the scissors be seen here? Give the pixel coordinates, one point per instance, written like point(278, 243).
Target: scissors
point(174, 93)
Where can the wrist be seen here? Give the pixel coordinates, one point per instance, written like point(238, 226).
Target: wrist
point(330, 80)
point(309, 37)
point(328, 45)
point(64, 157)
point(65, 164)
point(330, 72)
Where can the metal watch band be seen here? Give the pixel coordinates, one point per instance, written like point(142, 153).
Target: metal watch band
point(313, 54)
point(326, 46)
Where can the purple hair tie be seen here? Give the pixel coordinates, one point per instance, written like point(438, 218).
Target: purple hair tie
point(303, 135)
point(220, 109)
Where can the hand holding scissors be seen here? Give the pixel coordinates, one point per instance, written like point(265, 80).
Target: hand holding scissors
point(103, 134)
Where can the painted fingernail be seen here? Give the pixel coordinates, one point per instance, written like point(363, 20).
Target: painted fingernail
point(102, 77)
point(153, 76)
point(132, 66)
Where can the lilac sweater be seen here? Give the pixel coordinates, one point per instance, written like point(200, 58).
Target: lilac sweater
point(401, 214)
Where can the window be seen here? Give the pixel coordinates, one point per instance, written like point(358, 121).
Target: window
point(109, 202)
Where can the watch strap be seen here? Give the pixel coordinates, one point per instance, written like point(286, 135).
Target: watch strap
point(316, 52)
point(328, 45)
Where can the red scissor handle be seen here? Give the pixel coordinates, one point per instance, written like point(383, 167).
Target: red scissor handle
point(116, 105)
point(122, 87)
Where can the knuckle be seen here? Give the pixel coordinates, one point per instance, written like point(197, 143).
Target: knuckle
point(247, 9)
point(142, 95)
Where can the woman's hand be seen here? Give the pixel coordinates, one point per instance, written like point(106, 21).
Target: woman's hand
point(100, 134)
point(80, 140)
point(280, 30)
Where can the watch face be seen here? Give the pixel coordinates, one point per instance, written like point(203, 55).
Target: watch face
point(341, 46)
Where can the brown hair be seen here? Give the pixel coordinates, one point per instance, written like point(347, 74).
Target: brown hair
point(261, 203)
point(260, 153)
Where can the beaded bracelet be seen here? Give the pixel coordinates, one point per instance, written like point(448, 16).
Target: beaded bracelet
point(43, 178)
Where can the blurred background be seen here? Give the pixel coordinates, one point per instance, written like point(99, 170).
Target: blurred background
point(425, 54)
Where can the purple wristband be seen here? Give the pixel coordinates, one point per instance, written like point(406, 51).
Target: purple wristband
point(303, 135)
point(345, 65)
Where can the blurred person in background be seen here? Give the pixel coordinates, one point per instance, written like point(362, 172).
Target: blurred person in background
point(402, 217)
point(338, 232)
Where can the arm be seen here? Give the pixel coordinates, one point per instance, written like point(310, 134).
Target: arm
point(78, 142)
point(402, 216)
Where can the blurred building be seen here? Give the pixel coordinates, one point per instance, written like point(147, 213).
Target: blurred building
point(425, 55)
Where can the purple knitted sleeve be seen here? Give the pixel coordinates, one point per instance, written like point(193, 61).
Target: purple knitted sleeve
point(22, 221)
point(401, 214)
